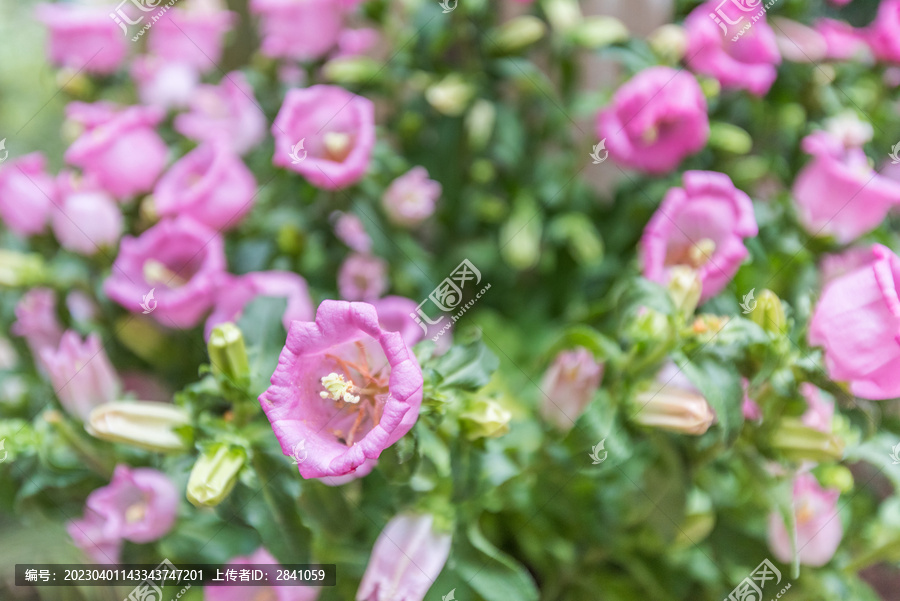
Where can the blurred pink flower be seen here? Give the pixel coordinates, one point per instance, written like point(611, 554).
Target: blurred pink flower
point(227, 114)
point(856, 321)
point(406, 560)
point(81, 306)
point(191, 37)
point(703, 226)
point(146, 386)
point(210, 184)
point(121, 149)
point(393, 316)
point(138, 505)
point(655, 120)
point(338, 131)
point(86, 218)
point(259, 593)
point(833, 266)
point(798, 43)
point(842, 40)
point(884, 32)
point(234, 292)
point(819, 411)
point(81, 374)
point(350, 230)
point(748, 63)
point(568, 386)
point(27, 194)
point(36, 321)
point(163, 83)
point(838, 193)
point(357, 42)
point(819, 529)
point(302, 30)
point(410, 199)
point(362, 277)
point(344, 388)
point(180, 260)
point(83, 37)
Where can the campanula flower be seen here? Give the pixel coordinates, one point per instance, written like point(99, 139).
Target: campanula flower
point(568, 386)
point(819, 529)
point(362, 277)
point(83, 37)
point(411, 198)
point(27, 194)
point(36, 321)
point(86, 218)
point(259, 593)
point(81, 373)
point(193, 35)
point(162, 83)
point(674, 403)
point(298, 29)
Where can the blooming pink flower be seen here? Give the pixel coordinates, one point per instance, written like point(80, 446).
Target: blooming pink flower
point(138, 505)
point(362, 277)
point(27, 194)
point(227, 114)
point(819, 529)
point(796, 42)
point(298, 29)
point(191, 37)
point(833, 266)
point(748, 63)
point(343, 355)
point(856, 320)
point(655, 120)
point(163, 83)
point(36, 321)
point(838, 193)
point(883, 32)
point(121, 150)
point(260, 593)
point(843, 41)
point(209, 184)
point(819, 412)
point(411, 198)
point(234, 292)
point(356, 42)
point(81, 306)
point(87, 218)
point(406, 560)
point(81, 373)
point(350, 230)
point(569, 385)
point(338, 131)
point(702, 226)
point(83, 37)
point(180, 260)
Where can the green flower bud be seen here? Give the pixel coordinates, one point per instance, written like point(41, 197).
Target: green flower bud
point(685, 288)
point(352, 69)
point(649, 325)
point(21, 269)
point(674, 409)
point(599, 32)
point(669, 42)
point(520, 237)
point(562, 14)
point(480, 123)
point(518, 33)
point(450, 96)
point(485, 418)
point(797, 442)
point(227, 353)
point(769, 313)
point(835, 476)
point(143, 424)
point(214, 474)
point(730, 138)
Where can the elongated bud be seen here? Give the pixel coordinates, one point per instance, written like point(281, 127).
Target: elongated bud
point(228, 354)
point(450, 96)
point(769, 313)
point(214, 475)
point(485, 418)
point(685, 288)
point(797, 442)
point(143, 424)
point(480, 123)
point(730, 138)
point(518, 33)
point(669, 42)
point(562, 14)
point(673, 403)
point(599, 32)
point(353, 69)
point(21, 269)
point(649, 325)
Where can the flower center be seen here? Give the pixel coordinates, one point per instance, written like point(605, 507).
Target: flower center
point(266, 594)
point(337, 146)
point(805, 513)
point(136, 512)
point(156, 273)
point(347, 395)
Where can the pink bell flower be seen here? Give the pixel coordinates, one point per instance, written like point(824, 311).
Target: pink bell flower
point(819, 529)
point(83, 37)
point(27, 194)
point(362, 277)
point(86, 219)
point(82, 376)
point(411, 198)
point(568, 386)
point(301, 30)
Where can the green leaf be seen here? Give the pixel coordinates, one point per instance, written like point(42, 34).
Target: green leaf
point(491, 573)
point(264, 336)
point(467, 367)
point(721, 386)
